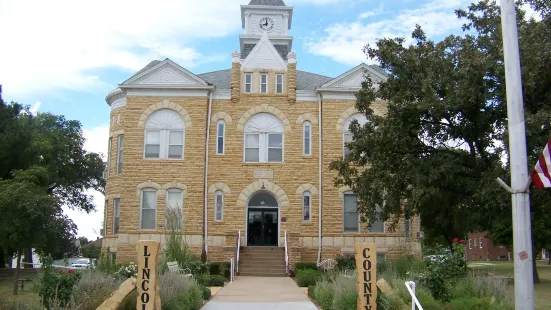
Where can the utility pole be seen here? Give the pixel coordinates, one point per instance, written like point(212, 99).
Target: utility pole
point(522, 232)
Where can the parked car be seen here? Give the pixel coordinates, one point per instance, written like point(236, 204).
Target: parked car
point(83, 263)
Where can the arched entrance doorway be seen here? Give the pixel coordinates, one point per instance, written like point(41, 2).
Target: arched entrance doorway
point(262, 220)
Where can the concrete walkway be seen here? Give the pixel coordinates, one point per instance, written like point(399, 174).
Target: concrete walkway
point(252, 293)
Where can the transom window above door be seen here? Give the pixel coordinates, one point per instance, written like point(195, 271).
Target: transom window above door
point(164, 135)
point(263, 139)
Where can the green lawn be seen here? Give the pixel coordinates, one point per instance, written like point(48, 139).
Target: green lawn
point(25, 297)
point(506, 269)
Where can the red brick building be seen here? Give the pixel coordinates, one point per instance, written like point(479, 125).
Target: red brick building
point(480, 247)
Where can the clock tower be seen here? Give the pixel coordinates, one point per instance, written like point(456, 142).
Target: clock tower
point(272, 17)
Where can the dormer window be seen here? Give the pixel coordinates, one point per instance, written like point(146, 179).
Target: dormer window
point(264, 83)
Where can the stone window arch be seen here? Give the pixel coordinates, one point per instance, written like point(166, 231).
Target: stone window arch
point(347, 136)
point(263, 139)
point(164, 135)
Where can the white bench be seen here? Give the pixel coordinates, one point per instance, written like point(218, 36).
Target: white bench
point(174, 268)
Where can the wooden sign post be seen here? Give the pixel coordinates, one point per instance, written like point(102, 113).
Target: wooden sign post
point(148, 275)
point(366, 267)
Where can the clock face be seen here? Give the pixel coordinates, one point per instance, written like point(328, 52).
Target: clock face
point(266, 24)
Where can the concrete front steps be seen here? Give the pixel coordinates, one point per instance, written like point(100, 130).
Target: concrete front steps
point(262, 262)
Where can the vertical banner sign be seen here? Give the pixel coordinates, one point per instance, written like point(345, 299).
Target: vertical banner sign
point(366, 267)
point(148, 288)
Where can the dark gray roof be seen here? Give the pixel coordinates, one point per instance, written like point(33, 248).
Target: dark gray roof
point(147, 67)
point(221, 79)
point(378, 69)
point(267, 2)
point(305, 80)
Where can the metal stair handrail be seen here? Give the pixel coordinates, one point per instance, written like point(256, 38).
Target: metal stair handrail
point(238, 248)
point(410, 285)
point(286, 255)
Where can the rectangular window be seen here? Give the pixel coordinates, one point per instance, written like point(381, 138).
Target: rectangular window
point(149, 207)
point(480, 242)
point(475, 244)
point(152, 144)
point(119, 154)
point(306, 206)
point(470, 244)
point(351, 219)
point(105, 220)
point(252, 147)
point(307, 134)
point(347, 137)
point(220, 137)
point(263, 83)
point(109, 156)
point(275, 147)
point(174, 210)
point(219, 206)
point(279, 83)
point(248, 82)
point(379, 225)
point(175, 144)
point(407, 224)
point(116, 215)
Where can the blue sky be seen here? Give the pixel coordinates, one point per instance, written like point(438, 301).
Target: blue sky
point(64, 56)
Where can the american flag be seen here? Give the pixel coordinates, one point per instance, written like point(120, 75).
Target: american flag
point(541, 175)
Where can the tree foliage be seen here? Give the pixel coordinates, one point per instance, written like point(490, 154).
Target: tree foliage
point(443, 140)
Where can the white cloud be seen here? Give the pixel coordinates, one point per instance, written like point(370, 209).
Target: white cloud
point(89, 225)
point(343, 42)
point(55, 44)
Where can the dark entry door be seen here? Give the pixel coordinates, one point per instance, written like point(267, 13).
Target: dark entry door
point(262, 227)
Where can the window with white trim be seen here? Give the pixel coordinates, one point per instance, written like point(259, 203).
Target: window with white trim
point(219, 206)
point(119, 154)
point(263, 139)
point(148, 212)
point(306, 206)
point(248, 82)
point(379, 225)
point(347, 136)
point(109, 156)
point(116, 215)
point(307, 138)
point(279, 84)
point(263, 83)
point(220, 134)
point(174, 203)
point(164, 135)
point(480, 242)
point(351, 220)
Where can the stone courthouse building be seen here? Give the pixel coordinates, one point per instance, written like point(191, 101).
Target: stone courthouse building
point(239, 152)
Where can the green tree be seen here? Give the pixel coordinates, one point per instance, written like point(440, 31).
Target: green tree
point(31, 218)
point(440, 146)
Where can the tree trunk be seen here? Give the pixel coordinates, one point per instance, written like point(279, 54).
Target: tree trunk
point(17, 267)
point(535, 269)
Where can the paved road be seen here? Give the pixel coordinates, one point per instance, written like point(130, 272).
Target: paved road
point(252, 293)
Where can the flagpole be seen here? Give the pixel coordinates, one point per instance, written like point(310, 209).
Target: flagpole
point(522, 239)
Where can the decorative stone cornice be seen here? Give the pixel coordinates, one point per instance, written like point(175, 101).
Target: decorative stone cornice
point(262, 185)
point(145, 185)
point(177, 185)
point(344, 116)
point(306, 188)
point(222, 115)
point(219, 187)
point(307, 117)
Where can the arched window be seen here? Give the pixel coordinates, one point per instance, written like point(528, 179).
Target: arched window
point(174, 210)
point(306, 206)
point(148, 212)
point(220, 137)
point(263, 139)
point(347, 135)
point(219, 206)
point(307, 138)
point(164, 135)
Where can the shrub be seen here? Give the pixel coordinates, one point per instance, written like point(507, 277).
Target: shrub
point(126, 272)
point(220, 268)
point(206, 292)
point(211, 280)
point(404, 266)
point(307, 277)
point(179, 293)
point(55, 286)
point(106, 264)
point(302, 266)
point(346, 262)
point(345, 295)
point(93, 288)
point(323, 293)
point(311, 290)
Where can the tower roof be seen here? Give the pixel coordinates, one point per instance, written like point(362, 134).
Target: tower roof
point(267, 2)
